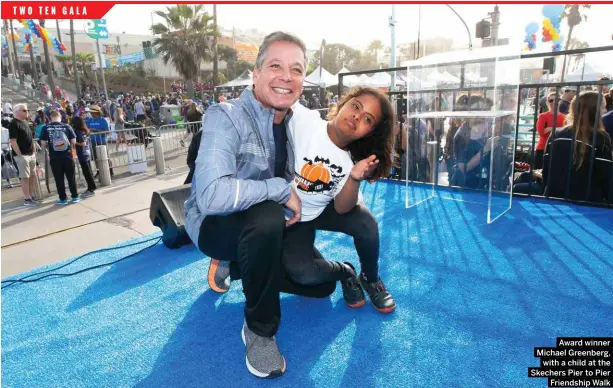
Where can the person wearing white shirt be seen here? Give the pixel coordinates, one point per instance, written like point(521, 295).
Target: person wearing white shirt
point(8, 107)
point(139, 109)
point(331, 158)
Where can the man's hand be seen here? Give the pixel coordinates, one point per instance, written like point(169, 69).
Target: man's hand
point(364, 168)
point(295, 205)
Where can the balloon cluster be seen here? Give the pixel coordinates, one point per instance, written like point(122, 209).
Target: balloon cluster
point(551, 25)
point(5, 45)
point(43, 34)
point(28, 45)
point(530, 39)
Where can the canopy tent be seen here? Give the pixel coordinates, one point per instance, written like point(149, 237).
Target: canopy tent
point(381, 80)
point(584, 73)
point(343, 70)
point(243, 80)
point(324, 80)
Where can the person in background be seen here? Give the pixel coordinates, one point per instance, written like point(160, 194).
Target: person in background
point(565, 99)
point(585, 115)
point(84, 154)
point(192, 154)
point(194, 118)
point(60, 138)
point(97, 123)
point(544, 126)
point(119, 128)
point(20, 137)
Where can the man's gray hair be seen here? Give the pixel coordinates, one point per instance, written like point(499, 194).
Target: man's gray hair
point(55, 113)
point(279, 36)
point(18, 107)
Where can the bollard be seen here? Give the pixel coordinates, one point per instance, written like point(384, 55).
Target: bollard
point(103, 165)
point(35, 189)
point(433, 161)
point(158, 152)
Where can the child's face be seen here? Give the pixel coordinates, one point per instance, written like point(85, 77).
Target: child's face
point(358, 117)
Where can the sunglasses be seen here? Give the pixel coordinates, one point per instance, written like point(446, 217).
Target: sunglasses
point(551, 101)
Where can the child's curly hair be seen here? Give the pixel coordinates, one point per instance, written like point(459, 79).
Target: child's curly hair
point(381, 140)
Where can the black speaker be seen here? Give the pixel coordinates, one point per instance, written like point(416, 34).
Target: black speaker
point(167, 212)
point(549, 64)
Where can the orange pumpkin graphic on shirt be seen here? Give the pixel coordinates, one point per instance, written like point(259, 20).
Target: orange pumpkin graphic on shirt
point(316, 176)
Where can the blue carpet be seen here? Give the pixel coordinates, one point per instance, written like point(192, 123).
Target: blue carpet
point(473, 301)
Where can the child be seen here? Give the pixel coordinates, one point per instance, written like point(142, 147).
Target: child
point(330, 160)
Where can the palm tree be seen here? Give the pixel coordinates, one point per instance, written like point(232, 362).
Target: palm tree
point(577, 44)
point(185, 39)
point(64, 60)
point(85, 60)
point(48, 62)
point(74, 60)
point(574, 16)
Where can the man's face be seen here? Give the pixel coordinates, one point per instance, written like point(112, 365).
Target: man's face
point(278, 84)
point(22, 113)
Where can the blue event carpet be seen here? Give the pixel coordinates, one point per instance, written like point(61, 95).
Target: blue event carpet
point(473, 301)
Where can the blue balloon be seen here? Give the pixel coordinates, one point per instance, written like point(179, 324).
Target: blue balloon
point(532, 28)
point(560, 40)
point(553, 11)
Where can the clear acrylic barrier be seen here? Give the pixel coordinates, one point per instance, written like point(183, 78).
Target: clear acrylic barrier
point(421, 137)
point(502, 158)
point(460, 132)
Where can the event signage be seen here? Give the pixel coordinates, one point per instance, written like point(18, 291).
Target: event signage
point(96, 29)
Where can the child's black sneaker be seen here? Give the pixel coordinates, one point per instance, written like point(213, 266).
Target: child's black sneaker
point(380, 298)
point(352, 291)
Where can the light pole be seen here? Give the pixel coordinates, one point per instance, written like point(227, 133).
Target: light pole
point(392, 24)
point(470, 38)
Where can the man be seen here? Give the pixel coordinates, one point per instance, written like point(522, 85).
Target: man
point(565, 100)
point(97, 123)
point(20, 136)
point(239, 193)
point(61, 140)
point(139, 110)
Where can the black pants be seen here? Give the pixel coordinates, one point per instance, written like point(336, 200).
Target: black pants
point(538, 159)
point(253, 238)
point(61, 168)
point(88, 175)
point(306, 268)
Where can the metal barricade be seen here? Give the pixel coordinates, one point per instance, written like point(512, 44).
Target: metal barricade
point(176, 138)
point(125, 147)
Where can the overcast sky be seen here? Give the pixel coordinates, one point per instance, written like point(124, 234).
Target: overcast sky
point(357, 25)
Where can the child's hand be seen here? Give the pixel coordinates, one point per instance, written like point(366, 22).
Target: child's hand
point(364, 168)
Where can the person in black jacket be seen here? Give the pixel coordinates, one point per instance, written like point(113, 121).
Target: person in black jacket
point(192, 154)
point(585, 115)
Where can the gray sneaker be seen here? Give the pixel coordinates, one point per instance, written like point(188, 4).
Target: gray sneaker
point(262, 355)
point(30, 203)
point(219, 276)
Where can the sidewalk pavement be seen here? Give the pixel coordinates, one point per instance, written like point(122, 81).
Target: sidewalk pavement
point(34, 237)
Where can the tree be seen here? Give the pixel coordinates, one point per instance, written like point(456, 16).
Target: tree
point(574, 16)
point(74, 60)
point(85, 60)
point(374, 47)
point(577, 44)
point(185, 39)
point(64, 60)
point(48, 61)
point(337, 55)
